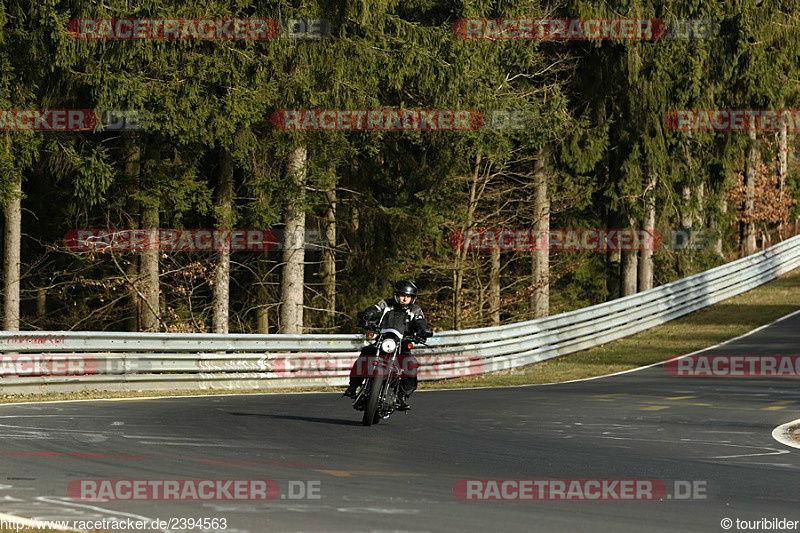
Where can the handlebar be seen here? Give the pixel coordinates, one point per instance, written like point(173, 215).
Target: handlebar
point(371, 326)
point(416, 339)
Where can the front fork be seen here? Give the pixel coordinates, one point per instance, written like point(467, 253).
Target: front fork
point(389, 382)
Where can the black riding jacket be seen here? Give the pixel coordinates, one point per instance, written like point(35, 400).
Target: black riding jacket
point(409, 321)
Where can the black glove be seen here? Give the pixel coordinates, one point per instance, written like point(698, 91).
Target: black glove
point(365, 318)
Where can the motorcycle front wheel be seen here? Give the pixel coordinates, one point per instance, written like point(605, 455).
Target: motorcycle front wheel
point(371, 409)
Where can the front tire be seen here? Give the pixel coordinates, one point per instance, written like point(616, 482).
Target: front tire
point(371, 409)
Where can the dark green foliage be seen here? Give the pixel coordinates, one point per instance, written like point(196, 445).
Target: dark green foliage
point(598, 106)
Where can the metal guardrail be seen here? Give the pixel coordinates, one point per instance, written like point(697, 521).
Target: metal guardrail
point(68, 361)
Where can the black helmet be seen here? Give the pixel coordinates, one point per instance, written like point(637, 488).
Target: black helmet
point(405, 287)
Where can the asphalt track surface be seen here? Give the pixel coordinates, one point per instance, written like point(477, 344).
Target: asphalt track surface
point(400, 474)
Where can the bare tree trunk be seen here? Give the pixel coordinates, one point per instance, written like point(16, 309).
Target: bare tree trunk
point(41, 302)
point(150, 304)
point(783, 157)
point(481, 299)
point(494, 287)
point(682, 258)
point(12, 243)
point(461, 252)
point(264, 274)
point(748, 227)
point(628, 269)
point(262, 312)
point(539, 303)
point(700, 210)
point(718, 239)
point(329, 258)
point(294, 245)
point(687, 213)
point(613, 259)
point(458, 283)
point(222, 268)
point(646, 255)
point(132, 155)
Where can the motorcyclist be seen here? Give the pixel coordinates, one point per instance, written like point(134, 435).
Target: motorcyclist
point(401, 309)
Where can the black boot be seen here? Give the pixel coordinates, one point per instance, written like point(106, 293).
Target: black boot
point(351, 391)
point(402, 402)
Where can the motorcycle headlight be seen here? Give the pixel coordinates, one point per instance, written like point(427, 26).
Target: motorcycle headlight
point(388, 345)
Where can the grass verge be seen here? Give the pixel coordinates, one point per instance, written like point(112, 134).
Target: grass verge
point(695, 331)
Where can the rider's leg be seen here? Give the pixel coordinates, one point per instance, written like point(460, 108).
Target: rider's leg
point(408, 381)
point(359, 370)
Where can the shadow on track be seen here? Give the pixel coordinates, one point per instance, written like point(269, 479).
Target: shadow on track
point(318, 420)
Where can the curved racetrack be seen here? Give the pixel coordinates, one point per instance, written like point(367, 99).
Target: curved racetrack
point(399, 475)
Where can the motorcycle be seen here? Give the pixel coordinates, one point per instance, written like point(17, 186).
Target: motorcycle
point(378, 397)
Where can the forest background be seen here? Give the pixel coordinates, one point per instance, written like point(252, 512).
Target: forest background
point(595, 153)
